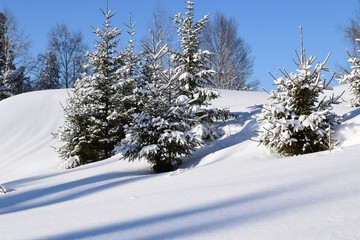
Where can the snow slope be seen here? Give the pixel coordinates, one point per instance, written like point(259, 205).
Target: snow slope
point(231, 189)
point(26, 124)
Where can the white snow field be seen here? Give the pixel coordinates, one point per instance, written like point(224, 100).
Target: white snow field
point(231, 189)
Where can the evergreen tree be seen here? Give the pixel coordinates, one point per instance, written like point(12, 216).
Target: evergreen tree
point(353, 78)
point(173, 115)
point(6, 58)
point(194, 74)
point(159, 131)
point(128, 77)
point(89, 133)
point(79, 146)
point(15, 80)
point(49, 77)
point(12, 79)
point(297, 121)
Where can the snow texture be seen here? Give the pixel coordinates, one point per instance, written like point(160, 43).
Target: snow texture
point(230, 189)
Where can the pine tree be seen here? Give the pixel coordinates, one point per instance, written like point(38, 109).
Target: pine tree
point(128, 78)
point(194, 74)
point(75, 134)
point(159, 131)
point(49, 77)
point(353, 78)
point(297, 121)
point(90, 133)
point(173, 115)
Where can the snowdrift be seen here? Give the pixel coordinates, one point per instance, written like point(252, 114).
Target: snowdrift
point(231, 189)
point(26, 124)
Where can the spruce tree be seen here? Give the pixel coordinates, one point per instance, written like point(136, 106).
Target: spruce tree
point(159, 131)
point(173, 116)
point(90, 133)
point(353, 78)
point(12, 78)
point(297, 120)
point(78, 146)
point(6, 58)
point(49, 77)
point(192, 66)
point(128, 78)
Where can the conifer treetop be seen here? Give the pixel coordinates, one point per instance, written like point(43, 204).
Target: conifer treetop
point(298, 119)
point(352, 77)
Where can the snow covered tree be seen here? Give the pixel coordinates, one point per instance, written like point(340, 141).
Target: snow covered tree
point(173, 116)
point(159, 131)
point(49, 75)
point(12, 46)
point(128, 78)
point(353, 78)
point(5, 91)
point(193, 68)
point(10, 77)
point(75, 134)
point(297, 120)
point(89, 133)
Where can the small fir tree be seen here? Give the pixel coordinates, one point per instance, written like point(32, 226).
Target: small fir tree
point(173, 116)
point(297, 121)
point(75, 134)
point(89, 133)
point(353, 78)
point(194, 74)
point(159, 131)
point(129, 77)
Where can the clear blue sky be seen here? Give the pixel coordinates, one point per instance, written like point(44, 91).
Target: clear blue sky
point(271, 27)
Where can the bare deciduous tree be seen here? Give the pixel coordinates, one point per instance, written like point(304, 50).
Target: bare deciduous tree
point(161, 32)
point(162, 27)
point(352, 31)
point(70, 51)
point(231, 58)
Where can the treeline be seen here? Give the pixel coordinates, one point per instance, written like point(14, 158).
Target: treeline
point(62, 63)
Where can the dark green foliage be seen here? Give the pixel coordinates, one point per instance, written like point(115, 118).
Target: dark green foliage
point(90, 133)
point(50, 73)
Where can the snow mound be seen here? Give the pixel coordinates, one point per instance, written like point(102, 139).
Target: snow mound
point(230, 189)
point(26, 124)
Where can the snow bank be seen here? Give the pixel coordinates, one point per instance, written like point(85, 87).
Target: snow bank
point(26, 124)
point(231, 189)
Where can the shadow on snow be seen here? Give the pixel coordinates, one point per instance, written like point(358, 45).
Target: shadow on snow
point(245, 121)
point(261, 205)
point(47, 196)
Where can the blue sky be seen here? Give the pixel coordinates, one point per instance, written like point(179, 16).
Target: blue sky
point(271, 27)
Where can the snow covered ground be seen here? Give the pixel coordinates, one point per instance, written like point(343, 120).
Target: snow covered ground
point(231, 189)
